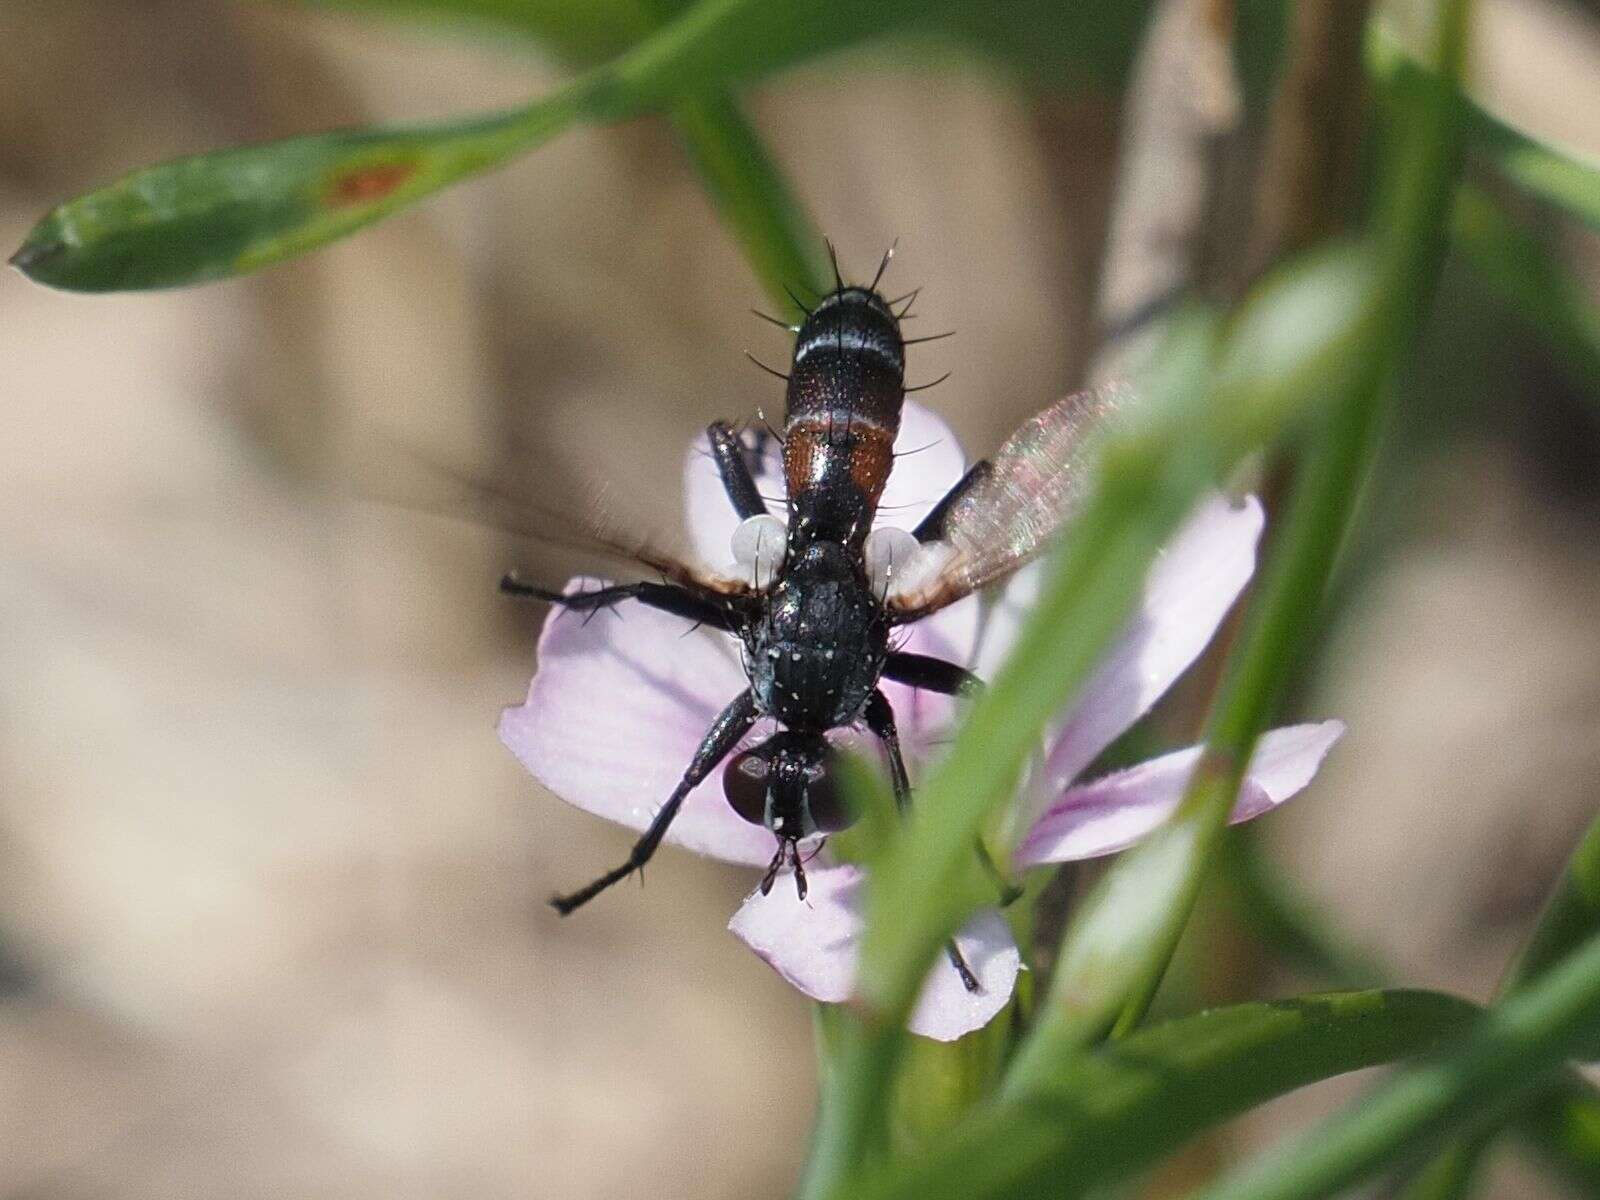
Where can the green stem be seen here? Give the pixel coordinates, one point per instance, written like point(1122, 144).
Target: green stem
point(1328, 483)
point(1510, 1053)
point(928, 880)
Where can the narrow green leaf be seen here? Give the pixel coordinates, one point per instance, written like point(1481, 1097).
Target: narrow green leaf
point(754, 198)
point(1570, 919)
point(222, 214)
point(1166, 871)
point(1519, 266)
point(1561, 175)
point(1300, 342)
point(1510, 1053)
point(579, 34)
point(1049, 45)
point(746, 184)
point(720, 42)
point(930, 879)
point(1564, 1125)
point(1099, 1116)
point(215, 215)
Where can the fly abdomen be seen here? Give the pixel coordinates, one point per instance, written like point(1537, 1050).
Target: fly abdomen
point(846, 388)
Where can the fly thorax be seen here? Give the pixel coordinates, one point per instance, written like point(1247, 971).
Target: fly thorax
point(815, 656)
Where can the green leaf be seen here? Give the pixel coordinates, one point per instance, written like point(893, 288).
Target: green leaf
point(1560, 175)
point(1301, 341)
point(1531, 280)
point(745, 183)
point(1047, 44)
point(216, 215)
point(1570, 919)
point(1565, 1125)
point(579, 32)
point(753, 196)
point(1101, 1115)
point(1124, 936)
point(1510, 1053)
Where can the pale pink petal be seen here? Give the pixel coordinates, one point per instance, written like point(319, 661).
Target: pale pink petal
point(705, 501)
point(1002, 616)
point(1113, 813)
point(1189, 590)
point(615, 712)
point(928, 465)
point(926, 718)
point(813, 944)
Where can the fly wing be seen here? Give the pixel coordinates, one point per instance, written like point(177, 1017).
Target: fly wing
point(596, 528)
point(1033, 486)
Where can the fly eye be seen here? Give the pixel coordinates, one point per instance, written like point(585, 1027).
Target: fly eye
point(825, 801)
point(759, 544)
point(744, 783)
point(887, 554)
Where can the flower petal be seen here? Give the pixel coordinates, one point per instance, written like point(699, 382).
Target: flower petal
point(925, 718)
point(813, 944)
point(1002, 617)
point(928, 465)
point(1113, 813)
point(615, 712)
point(1190, 588)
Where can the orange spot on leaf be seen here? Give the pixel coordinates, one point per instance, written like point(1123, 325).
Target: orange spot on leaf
point(366, 184)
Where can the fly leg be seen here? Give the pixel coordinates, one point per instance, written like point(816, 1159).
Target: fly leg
point(728, 454)
point(931, 674)
point(666, 596)
point(725, 732)
point(938, 675)
point(880, 719)
point(931, 527)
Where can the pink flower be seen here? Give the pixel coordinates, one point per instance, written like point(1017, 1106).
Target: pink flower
point(617, 708)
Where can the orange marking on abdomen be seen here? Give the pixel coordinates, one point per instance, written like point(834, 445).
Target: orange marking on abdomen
point(814, 446)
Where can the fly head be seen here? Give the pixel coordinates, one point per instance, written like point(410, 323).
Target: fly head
point(789, 784)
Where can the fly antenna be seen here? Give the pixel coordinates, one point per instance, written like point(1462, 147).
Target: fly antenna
point(922, 387)
point(833, 258)
point(771, 320)
point(766, 368)
point(883, 266)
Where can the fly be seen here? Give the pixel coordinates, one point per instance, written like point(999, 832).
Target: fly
point(823, 592)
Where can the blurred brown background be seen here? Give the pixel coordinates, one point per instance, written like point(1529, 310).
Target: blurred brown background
point(271, 917)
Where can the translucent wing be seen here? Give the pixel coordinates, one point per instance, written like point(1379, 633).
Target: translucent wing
point(398, 474)
point(1009, 514)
